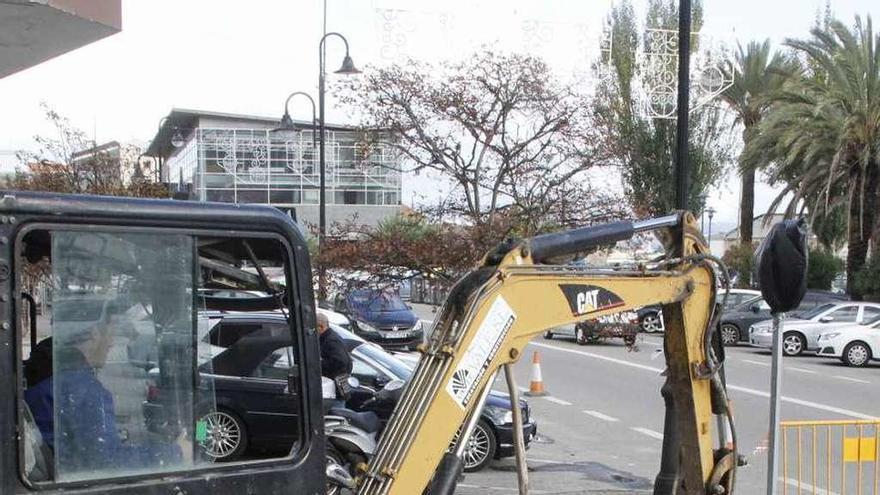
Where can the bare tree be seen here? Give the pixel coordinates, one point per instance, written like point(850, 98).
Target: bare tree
point(70, 162)
point(496, 125)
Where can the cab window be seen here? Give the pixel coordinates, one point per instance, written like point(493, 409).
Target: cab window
point(118, 362)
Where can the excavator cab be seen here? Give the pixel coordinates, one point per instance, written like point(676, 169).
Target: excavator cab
point(122, 368)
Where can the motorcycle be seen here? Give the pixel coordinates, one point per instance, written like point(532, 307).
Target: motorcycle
point(352, 436)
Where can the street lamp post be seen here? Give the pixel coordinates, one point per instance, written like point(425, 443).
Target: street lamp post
point(287, 123)
point(177, 141)
point(711, 212)
point(703, 198)
point(347, 68)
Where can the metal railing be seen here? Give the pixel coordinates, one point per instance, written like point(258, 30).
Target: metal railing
point(830, 457)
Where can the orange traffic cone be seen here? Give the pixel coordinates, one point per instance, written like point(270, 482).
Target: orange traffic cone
point(536, 385)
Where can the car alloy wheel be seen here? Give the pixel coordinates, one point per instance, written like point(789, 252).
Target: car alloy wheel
point(729, 334)
point(480, 449)
point(857, 354)
point(225, 437)
point(333, 458)
point(651, 323)
point(793, 344)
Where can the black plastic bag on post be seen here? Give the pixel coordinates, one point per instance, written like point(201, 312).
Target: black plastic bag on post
point(781, 265)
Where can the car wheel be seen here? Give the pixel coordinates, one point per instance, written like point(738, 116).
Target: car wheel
point(480, 449)
point(793, 344)
point(729, 334)
point(856, 354)
point(580, 336)
point(651, 323)
point(548, 335)
point(226, 437)
point(334, 457)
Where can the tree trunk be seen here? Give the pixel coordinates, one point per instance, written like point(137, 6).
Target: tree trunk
point(861, 227)
point(747, 207)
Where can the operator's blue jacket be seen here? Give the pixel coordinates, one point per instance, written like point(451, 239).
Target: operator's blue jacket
point(87, 422)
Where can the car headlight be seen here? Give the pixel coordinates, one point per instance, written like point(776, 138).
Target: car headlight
point(498, 415)
point(366, 327)
point(418, 326)
point(829, 336)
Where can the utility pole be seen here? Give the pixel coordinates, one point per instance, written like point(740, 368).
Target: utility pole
point(683, 106)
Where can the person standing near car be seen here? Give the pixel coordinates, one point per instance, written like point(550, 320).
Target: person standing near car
point(335, 361)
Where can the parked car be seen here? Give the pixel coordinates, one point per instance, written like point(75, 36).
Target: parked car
point(624, 325)
point(801, 333)
point(735, 322)
point(651, 317)
point(382, 317)
point(854, 345)
point(250, 409)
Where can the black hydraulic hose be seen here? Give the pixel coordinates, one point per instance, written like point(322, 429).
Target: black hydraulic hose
point(446, 477)
point(666, 481)
point(544, 247)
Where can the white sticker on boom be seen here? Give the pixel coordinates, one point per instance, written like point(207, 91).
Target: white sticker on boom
point(483, 348)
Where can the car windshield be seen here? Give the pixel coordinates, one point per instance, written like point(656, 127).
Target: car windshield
point(375, 301)
point(396, 366)
point(749, 303)
point(812, 313)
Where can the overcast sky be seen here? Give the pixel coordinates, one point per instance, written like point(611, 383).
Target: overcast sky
point(245, 57)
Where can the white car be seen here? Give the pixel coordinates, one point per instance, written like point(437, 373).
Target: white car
point(801, 334)
point(855, 345)
point(334, 318)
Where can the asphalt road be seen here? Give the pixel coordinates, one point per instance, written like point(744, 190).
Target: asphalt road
point(601, 427)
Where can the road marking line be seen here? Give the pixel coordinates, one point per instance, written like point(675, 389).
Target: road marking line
point(806, 486)
point(800, 370)
point(759, 363)
point(751, 391)
point(650, 433)
point(856, 380)
point(554, 400)
point(604, 417)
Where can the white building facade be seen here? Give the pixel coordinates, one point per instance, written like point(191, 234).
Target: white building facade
point(245, 159)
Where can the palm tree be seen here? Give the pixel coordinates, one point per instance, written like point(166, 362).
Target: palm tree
point(822, 134)
point(756, 75)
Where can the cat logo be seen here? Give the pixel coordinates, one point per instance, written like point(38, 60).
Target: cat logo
point(586, 299)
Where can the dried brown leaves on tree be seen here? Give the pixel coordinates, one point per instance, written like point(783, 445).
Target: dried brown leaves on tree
point(72, 163)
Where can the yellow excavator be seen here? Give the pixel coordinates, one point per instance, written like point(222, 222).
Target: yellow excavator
point(164, 263)
point(520, 290)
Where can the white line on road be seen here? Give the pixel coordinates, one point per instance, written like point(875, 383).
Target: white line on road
point(554, 400)
point(603, 417)
point(759, 393)
point(650, 433)
point(759, 363)
point(801, 370)
point(856, 380)
point(806, 486)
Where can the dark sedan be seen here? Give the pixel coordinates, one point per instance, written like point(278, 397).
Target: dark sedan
point(250, 407)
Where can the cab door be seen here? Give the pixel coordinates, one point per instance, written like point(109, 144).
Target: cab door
point(104, 270)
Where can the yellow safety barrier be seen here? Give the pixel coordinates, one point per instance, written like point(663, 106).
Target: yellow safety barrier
point(830, 457)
